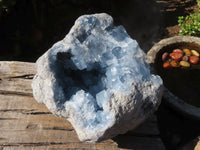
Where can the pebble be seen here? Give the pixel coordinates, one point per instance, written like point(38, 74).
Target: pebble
point(185, 58)
point(195, 53)
point(187, 52)
point(194, 59)
point(174, 63)
point(170, 59)
point(167, 65)
point(176, 56)
point(165, 56)
point(179, 57)
point(184, 63)
point(177, 51)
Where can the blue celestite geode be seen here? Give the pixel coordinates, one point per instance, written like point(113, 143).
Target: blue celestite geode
point(98, 78)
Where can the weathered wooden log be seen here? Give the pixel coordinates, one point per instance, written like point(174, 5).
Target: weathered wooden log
point(26, 124)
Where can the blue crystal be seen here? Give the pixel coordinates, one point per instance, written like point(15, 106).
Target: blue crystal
point(101, 63)
point(93, 62)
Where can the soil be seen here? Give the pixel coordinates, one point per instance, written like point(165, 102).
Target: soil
point(178, 8)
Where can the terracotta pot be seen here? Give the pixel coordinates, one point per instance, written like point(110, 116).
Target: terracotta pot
point(154, 57)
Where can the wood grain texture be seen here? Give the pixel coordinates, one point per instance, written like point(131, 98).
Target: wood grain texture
point(26, 124)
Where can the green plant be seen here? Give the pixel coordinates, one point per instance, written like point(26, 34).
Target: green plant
point(198, 2)
point(190, 25)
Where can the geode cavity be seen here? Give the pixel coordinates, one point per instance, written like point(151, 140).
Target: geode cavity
point(98, 78)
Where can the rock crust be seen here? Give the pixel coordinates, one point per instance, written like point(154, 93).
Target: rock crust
point(97, 78)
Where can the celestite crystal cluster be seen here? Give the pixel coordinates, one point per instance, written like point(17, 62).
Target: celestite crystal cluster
point(98, 78)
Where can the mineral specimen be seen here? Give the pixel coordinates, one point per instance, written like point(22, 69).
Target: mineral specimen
point(98, 78)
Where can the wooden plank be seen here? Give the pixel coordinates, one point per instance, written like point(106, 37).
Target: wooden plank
point(16, 77)
point(66, 146)
point(11, 102)
point(14, 69)
point(28, 106)
point(13, 86)
point(26, 124)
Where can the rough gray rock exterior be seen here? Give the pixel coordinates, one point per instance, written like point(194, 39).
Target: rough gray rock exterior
point(97, 78)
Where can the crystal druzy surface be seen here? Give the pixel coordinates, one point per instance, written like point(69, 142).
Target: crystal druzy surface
point(98, 78)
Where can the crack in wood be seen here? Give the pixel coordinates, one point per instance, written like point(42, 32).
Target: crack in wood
point(25, 111)
point(2, 139)
point(3, 92)
point(39, 144)
point(26, 76)
point(58, 128)
point(38, 113)
point(8, 119)
point(16, 110)
point(33, 126)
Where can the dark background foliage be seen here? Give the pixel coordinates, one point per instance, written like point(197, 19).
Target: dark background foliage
point(30, 27)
